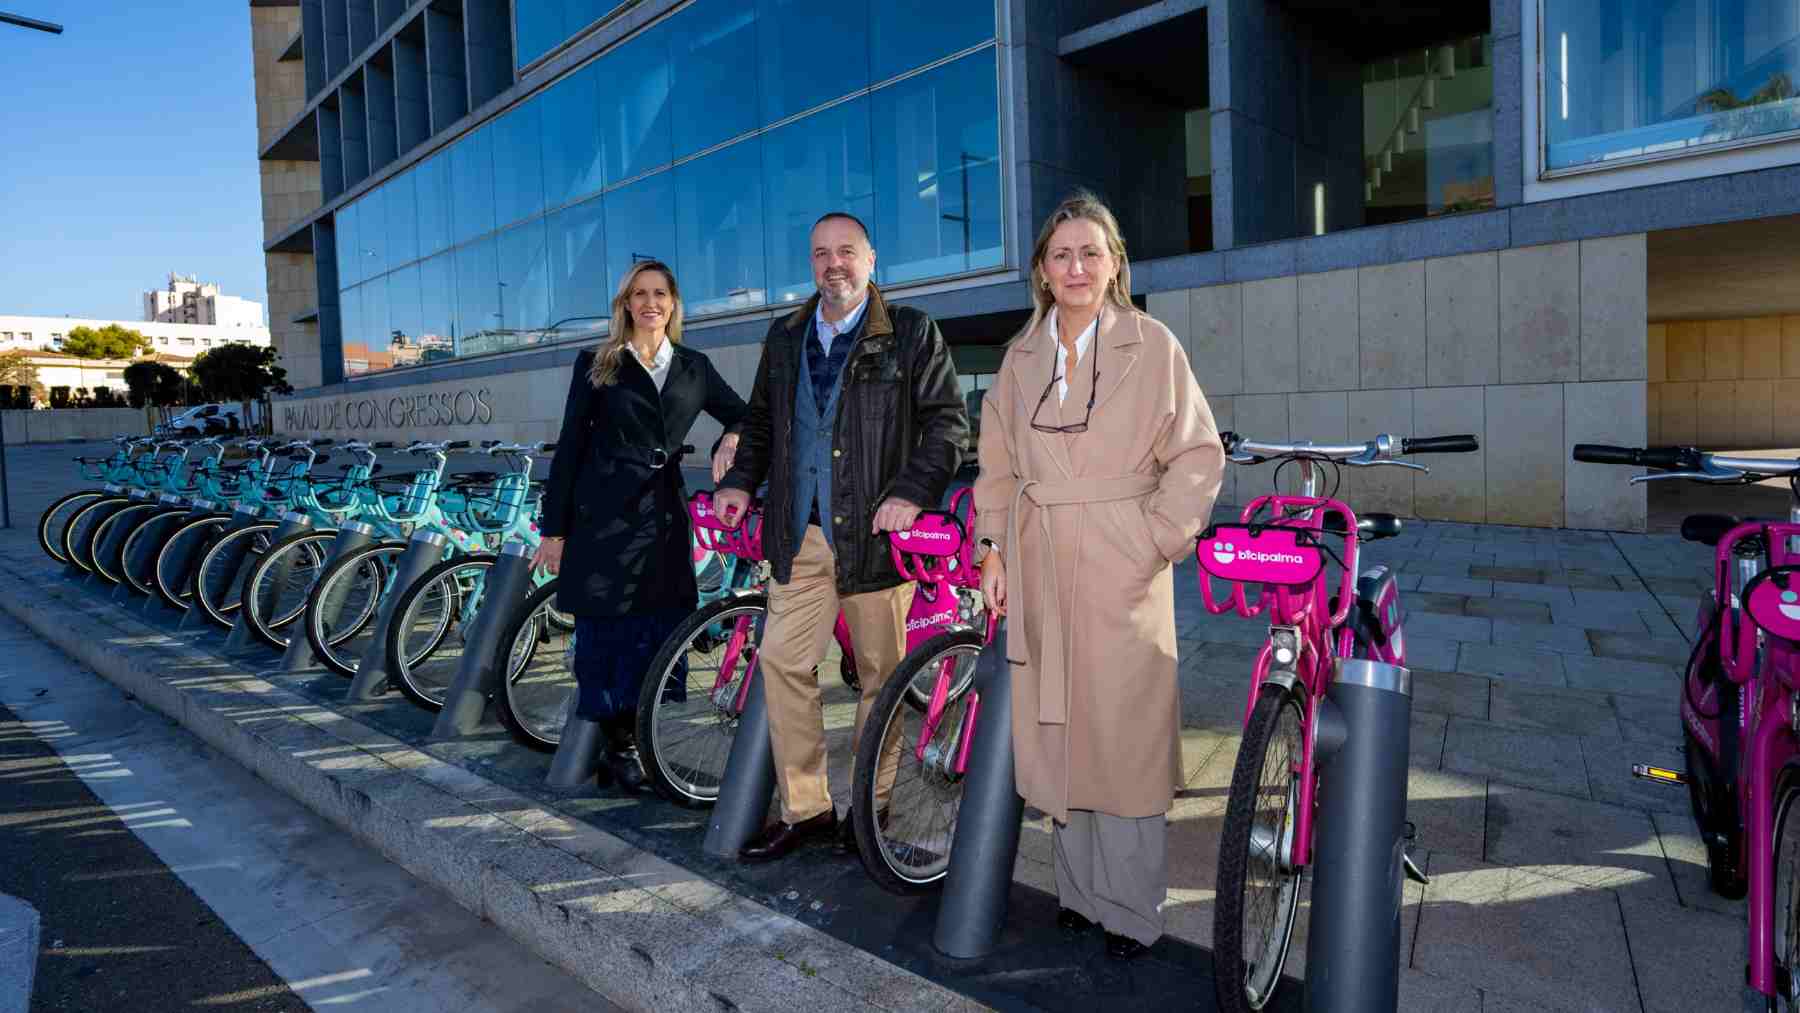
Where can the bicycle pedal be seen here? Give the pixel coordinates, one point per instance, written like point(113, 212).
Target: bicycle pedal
point(1661, 775)
point(1413, 872)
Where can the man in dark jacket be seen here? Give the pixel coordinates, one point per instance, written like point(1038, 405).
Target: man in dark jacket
point(856, 422)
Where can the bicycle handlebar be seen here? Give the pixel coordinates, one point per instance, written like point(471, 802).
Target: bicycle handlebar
point(1687, 462)
point(1380, 450)
point(1461, 444)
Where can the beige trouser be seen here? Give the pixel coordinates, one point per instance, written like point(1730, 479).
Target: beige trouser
point(802, 615)
point(1114, 870)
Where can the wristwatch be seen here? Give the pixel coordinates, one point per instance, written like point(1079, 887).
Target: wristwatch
point(983, 547)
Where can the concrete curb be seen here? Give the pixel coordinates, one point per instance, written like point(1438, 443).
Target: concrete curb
point(642, 931)
point(18, 953)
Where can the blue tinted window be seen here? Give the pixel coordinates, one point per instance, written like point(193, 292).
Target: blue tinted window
point(571, 127)
point(634, 105)
point(477, 297)
point(719, 229)
point(580, 285)
point(402, 219)
point(375, 323)
point(371, 233)
point(640, 225)
point(713, 47)
point(404, 316)
point(904, 34)
point(350, 331)
point(810, 51)
point(472, 185)
point(812, 166)
point(518, 165)
point(437, 308)
point(524, 284)
point(349, 263)
point(937, 172)
point(539, 26)
point(431, 181)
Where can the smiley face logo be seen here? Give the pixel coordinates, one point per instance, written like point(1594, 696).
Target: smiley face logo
point(1790, 605)
point(904, 535)
point(1224, 552)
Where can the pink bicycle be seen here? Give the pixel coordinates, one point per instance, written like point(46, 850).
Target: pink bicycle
point(1319, 617)
point(1740, 708)
point(917, 736)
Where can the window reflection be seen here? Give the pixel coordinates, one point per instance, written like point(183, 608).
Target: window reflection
point(542, 25)
point(904, 34)
point(432, 194)
point(640, 225)
point(580, 284)
point(810, 51)
point(937, 172)
point(713, 52)
point(472, 185)
point(350, 330)
point(437, 308)
point(814, 165)
point(405, 318)
point(573, 166)
point(634, 109)
point(371, 234)
point(402, 220)
point(518, 165)
point(375, 335)
point(524, 285)
point(719, 229)
point(343, 226)
point(477, 298)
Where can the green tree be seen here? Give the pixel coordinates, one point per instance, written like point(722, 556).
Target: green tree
point(154, 383)
point(109, 342)
point(16, 370)
point(241, 373)
point(59, 397)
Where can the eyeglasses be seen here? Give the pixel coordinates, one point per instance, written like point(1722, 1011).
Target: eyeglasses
point(1079, 427)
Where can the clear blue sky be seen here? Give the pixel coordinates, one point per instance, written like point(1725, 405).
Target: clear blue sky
point(127, 150)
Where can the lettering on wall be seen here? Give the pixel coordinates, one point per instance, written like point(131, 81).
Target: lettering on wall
point(462, 406)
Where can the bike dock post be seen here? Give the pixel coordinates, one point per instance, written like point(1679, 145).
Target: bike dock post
point(292, 524)
point(577, 757)
point(972, 908)
point(299, 655)
point(1353, 942)
point(153, 603)
point(478, 672)
point(423, 551)
point(194, 618)
point(122, 591)
point(749, 782)
point(115, 537)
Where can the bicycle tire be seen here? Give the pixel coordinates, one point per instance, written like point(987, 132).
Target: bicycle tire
point(911, 830)
point(406, 661)
point(1786, 893)
point(307, 548)
point(75, 535)
point(156, 528)
point(691, 778)
point(521, 642)
point(173, 573)
point(56, 517)
point(108, 562)
point(370, 561)
point(215, 576)
point(1231, 971)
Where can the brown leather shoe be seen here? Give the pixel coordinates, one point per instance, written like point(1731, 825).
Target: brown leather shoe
point(778, 839)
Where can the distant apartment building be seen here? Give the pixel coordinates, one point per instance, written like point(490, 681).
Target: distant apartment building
point(46, 334)
point(188, 300)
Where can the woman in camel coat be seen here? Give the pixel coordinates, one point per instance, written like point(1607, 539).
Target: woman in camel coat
point(1099, 466)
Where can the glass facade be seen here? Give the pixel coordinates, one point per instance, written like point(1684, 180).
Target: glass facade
point(1636, 79)
point(706, 141)
point(1428, 133)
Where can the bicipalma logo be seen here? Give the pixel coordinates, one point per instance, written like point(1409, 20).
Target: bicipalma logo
point(1226, 552)
point(926, 622)
point(930, 536)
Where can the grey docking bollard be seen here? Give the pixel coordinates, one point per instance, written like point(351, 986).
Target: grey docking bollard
point(194, 619)
point(423, 551)
point(299, 655)
point(1353, 941)
point(153, 603)
point(100, 513)
point(749, 782)
point(507, 583)
point(115, 536)
point(122, 591)
point(291, 524)
point(972, 907)
point(577, 757)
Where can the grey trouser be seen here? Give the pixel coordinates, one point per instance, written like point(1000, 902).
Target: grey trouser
point(1114, 870)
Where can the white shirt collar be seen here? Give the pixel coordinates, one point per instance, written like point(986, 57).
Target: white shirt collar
point(659, 363)
point(1082, 342)
point(828, 330)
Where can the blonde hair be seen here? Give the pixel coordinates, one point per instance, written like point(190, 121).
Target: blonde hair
point(604, 371)
point(1080, 205)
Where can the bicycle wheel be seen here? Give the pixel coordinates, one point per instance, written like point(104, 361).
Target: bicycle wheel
point(216, 583)
point(1259, 875)
point(56, 517)
point(422, 658)
point(276, 588)
point(687, 709)
point(1786, 855)
point(173, 573)
point(909, 851)
point(138, 558)
point(107, 540)
point(537, 693)
point(77, 535)
point(344, 602)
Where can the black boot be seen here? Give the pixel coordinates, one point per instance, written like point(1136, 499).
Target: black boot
point(622, 755)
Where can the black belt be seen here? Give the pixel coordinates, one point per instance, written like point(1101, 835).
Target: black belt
point(654, 458)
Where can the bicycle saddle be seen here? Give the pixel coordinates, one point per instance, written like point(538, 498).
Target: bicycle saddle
point(1707, 529)
point(1373, 525)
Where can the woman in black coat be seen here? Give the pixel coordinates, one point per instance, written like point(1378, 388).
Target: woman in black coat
point(615, 521)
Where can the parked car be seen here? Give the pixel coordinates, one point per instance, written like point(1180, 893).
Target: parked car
point(213, 419)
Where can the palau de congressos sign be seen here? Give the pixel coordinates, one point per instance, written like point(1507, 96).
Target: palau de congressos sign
point(462, 406)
